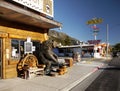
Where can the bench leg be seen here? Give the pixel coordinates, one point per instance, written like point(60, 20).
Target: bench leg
point(25, 74)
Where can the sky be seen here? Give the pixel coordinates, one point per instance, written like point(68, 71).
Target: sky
point(73, 14)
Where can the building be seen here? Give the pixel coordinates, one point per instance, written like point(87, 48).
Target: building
point(22, 20)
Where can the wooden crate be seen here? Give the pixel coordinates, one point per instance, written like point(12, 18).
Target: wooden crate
point(69, 62)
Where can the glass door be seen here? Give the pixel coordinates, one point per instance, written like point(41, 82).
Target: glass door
point(0, 58)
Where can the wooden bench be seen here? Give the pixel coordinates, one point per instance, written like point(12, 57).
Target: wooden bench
point(28, 67)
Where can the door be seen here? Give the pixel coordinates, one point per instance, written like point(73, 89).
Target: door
point(0, 58)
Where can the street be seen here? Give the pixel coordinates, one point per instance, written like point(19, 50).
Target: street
point(105, 79)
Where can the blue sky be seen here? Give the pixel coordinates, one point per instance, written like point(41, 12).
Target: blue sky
point(73, 14)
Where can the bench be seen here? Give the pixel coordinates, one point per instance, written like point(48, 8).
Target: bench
point(28, 67)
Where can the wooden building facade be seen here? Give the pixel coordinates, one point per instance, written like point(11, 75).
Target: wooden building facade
point(17, 23)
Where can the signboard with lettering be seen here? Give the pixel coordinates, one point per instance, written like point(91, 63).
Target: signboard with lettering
point(94, 41)
point(43, 6)
point(95, 21)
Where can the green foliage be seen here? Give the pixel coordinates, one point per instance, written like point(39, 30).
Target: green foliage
point(116, 47)
point(67, 41)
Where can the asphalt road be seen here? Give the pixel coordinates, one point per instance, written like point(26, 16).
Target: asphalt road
point(105, 79)
point(85, 83)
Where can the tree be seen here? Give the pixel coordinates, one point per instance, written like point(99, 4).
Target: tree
point(116, 47)
point(67, 41)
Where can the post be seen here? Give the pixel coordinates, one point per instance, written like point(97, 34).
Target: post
point(95, 37)
point(107, 39)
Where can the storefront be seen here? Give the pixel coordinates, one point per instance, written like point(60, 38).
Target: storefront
point(17, 24)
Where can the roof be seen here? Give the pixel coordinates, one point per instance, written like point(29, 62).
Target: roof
point(77, 46)
point(15, 13)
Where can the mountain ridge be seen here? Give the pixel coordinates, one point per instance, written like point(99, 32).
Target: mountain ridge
point(62, 38)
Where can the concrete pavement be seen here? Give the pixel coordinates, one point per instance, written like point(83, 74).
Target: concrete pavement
point(77, 73)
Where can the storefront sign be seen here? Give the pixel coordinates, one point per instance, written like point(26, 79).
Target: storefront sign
point(43, 6)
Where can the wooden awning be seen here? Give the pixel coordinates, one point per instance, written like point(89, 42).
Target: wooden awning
point(15, 13)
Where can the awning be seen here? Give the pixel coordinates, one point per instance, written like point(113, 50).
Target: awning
point(13, 12)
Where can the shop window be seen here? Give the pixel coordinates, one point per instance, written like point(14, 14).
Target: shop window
point(69, 50)
point(22, 48)
point(17, 48)
point(37, 45)
point(61, 50)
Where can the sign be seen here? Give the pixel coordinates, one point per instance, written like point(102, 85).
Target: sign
point(43, 6)
point(95, 21)
point(94, 27)
point(28, 47)
point(48, 7)
point(94, 41)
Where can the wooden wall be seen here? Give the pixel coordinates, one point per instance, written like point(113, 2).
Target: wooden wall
point(9, 30)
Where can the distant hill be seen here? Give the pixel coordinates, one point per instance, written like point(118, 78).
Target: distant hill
point(62, 38)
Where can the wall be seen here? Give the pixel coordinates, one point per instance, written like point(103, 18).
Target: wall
point(18, 31)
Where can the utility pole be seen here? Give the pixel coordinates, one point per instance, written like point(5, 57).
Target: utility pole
point(107, 39)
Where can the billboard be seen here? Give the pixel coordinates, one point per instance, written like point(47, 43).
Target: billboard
point(43, 6)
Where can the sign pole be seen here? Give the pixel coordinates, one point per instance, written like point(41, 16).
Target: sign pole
point(95, 36)
point(93, 22)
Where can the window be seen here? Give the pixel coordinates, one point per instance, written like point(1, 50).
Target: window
point(22, 47)
point(17, 48)
point(37, 45)
point(61, 50)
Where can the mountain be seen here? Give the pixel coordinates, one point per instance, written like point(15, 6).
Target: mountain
point(62, 38)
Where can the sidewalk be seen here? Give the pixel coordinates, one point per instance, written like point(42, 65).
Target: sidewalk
point(75, 74)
